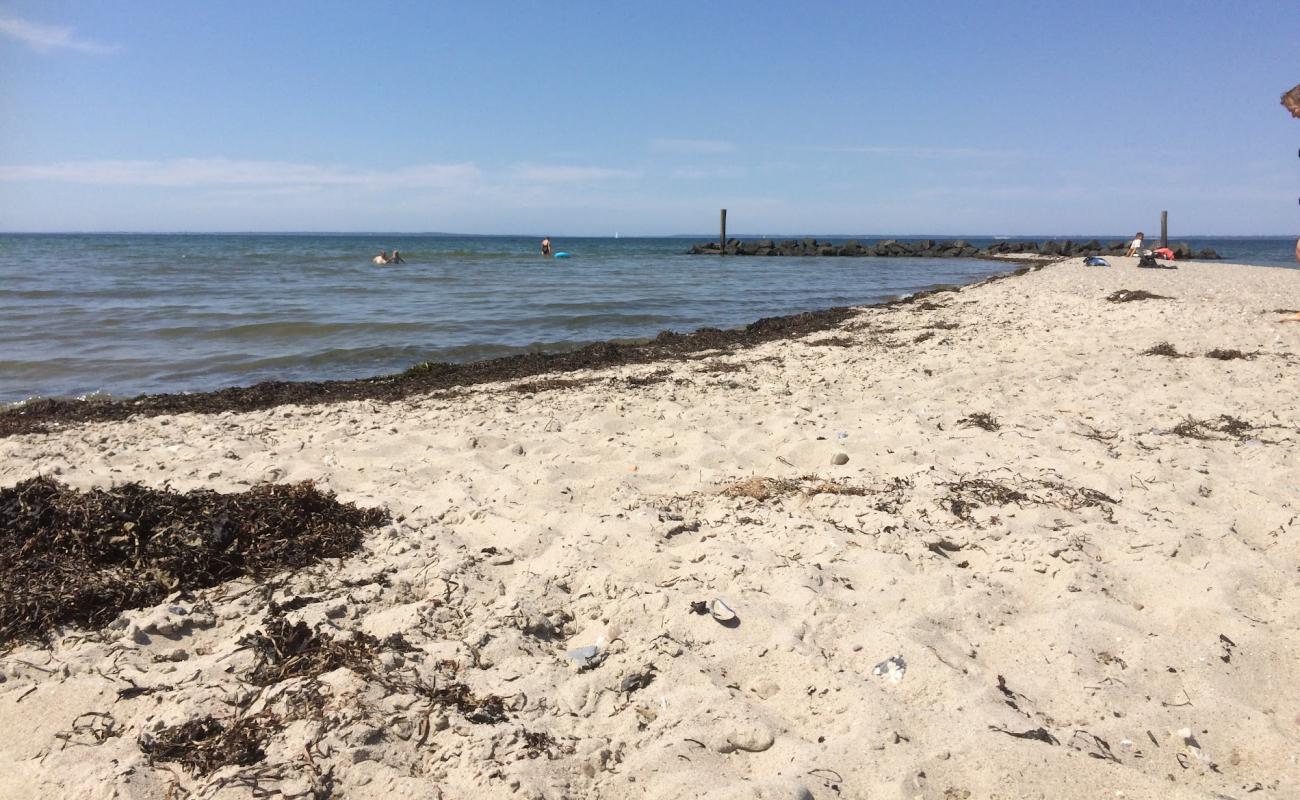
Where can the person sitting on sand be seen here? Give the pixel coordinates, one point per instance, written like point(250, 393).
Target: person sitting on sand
point(1135, 247)
point(546, 246)
point(396, 259)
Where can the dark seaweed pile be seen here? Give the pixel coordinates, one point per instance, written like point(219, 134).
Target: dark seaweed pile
point(1131, 295)
point(74, 557)
point(206, 744)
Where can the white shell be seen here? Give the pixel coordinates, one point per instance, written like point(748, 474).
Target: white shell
point(721, 611)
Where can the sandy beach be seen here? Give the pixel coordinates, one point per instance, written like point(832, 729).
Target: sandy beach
point(979, 545)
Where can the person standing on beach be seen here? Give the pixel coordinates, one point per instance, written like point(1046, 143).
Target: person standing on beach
point(1291, 101)
point(546, 245)
point(1135, 246)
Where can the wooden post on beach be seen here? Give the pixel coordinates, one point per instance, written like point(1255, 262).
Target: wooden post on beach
point(1164, 228)
point(722, 237)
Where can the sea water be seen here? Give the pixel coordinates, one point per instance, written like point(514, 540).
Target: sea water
point(124, 314)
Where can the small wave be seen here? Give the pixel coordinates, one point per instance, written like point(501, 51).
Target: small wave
point(296, 329)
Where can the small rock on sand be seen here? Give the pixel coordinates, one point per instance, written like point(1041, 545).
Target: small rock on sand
point(840, 459)
point(747, 735)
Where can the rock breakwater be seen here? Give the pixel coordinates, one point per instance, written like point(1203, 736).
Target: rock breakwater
point(931, 248)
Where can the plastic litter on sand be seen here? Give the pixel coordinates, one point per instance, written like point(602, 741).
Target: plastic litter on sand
point(892, 669)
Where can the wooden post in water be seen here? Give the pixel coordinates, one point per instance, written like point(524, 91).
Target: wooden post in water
point(1164, 228)
point(722, 237)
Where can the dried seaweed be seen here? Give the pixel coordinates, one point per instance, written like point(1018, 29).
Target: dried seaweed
point(944, 325)
point(1037, 734)
point(967, 494)
point(721, 367)
point(74, 557)
point(926, 305)
point(760, 488)
point(486, 710)
point(1093, 745)
point(1010, 696)
point(285, 650)
point(202, 746)
point(924, 337)
point(834, 341)
point(1097, 434)
point(90, 728)
point(1163, 349)
point(1130, 295)
point(1228, 355)
point(540, 743)
point(1220, 428)
point(552, 384)
point(891, 496)
point(658, 376)
point(980, 419)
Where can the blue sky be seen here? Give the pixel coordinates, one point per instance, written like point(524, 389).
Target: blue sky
point(579, 118)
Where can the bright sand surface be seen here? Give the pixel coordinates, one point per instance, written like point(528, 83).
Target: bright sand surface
point(1147, 627)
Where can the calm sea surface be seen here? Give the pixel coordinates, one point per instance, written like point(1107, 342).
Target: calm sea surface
point(123, 314)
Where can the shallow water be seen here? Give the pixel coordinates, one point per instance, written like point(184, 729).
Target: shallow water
point(123, 314)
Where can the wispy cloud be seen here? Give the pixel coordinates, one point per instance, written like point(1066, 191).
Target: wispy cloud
point(51, 37)
point(197, 172)
point(923, 152)
point(540, 173)
point(691, 146)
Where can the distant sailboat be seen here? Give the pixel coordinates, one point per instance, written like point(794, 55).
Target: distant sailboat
point(615, 234)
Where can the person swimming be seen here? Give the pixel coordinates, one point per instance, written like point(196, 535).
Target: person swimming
point(397, 258)
point(546, 245)
point(382, 258)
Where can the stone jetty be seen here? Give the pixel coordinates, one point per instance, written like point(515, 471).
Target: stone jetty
point(931, 248)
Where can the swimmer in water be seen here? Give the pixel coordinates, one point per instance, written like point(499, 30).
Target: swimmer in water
point(546, 246)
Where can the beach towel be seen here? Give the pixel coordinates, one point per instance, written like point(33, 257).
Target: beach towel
point(1164, 252)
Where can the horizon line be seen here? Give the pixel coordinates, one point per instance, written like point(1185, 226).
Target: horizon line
point(707, 236)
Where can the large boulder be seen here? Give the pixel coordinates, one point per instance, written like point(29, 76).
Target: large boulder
point(1050, 248)
point(1181, 250)
point(1208, 253)
point(765, 243)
